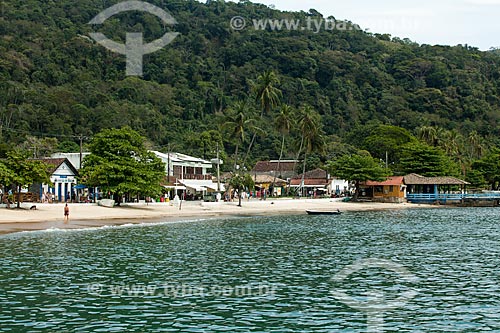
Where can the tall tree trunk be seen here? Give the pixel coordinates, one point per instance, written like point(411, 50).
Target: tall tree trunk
point(239, 198)
point(298, 154)
point(236, 157)
point(279, 162)
point(304, 171)
point(18, 196)
point(356, 192)
point(250, 148)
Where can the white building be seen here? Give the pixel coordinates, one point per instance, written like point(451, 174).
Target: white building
point(339, 186)
point(74, 158)
point(63, 177)
point(188, 173)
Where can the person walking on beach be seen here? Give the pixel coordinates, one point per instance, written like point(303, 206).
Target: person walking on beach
point(66, 214)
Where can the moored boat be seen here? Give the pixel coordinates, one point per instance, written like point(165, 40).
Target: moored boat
point(319, 212)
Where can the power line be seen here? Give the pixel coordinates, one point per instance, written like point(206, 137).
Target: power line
point(44, 135)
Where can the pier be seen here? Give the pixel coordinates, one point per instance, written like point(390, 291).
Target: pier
point(472, 199)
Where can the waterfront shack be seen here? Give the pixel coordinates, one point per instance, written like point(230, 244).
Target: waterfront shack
point(392, 190)
point(434, 189)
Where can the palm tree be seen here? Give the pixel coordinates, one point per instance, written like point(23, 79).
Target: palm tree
point(266, 95)
point(451, 141)
point(428, 134)
point(284, 122)
point(311, 132)
point(237, 122)
point(476, 147)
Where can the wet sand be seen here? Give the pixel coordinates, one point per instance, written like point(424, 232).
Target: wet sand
point(90, 215)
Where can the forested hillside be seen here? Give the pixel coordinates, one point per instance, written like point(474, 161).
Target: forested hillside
point(55, 82)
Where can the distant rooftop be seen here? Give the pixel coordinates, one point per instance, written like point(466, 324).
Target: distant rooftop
point(181, 158)
point(268, 166)
point(390, 181)
point(74, 158)
point(314, 174)
point(415, 179)
point(55, 163)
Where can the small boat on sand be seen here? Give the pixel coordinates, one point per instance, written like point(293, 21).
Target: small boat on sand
point(106, 203)
point(320, 212)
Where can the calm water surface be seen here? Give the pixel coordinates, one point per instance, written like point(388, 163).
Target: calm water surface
point(270, 274)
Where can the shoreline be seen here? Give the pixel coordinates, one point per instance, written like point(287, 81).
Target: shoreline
point(50, 216)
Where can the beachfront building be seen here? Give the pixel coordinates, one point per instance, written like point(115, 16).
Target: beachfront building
point(434, 189)
point(265, 183)
point(180, 166)
point(188, 176)
point(392, 190)
point(286, 169)
point(339, 187)
point(63, 176)
point(319, 182)
point(74, 158)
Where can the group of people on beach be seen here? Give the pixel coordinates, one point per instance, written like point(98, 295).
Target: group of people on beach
point(47, 197)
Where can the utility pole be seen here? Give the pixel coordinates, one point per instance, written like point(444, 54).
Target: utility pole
point(218, 169)
point(168, 164)
point(81, 150)
point(387, 160)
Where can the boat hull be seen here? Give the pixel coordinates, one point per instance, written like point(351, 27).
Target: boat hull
point(315, 212)
point(106, 203)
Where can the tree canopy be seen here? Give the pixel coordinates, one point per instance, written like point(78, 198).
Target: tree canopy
point(19, 170)
point(359, 167)
point(426, 161)
point(489, 168)
point(241, 182)
point(121, 165)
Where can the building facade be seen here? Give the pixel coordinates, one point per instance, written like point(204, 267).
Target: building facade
point(392, 190)
point(188, 176)
point(64, 179)
point(284, 169)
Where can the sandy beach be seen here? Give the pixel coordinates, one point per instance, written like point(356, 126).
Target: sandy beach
point(91, 215)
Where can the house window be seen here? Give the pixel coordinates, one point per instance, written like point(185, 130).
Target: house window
point(391, 188)
point(379, 189)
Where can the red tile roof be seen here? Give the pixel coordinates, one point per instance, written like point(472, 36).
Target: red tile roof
point(391, 181)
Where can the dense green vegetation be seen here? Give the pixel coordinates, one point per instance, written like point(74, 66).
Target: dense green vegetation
point(121, 165)
point(20, 171)
point(358, 168)
point(342, 90)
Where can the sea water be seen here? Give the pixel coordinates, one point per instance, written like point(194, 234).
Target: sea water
point(409, 271)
